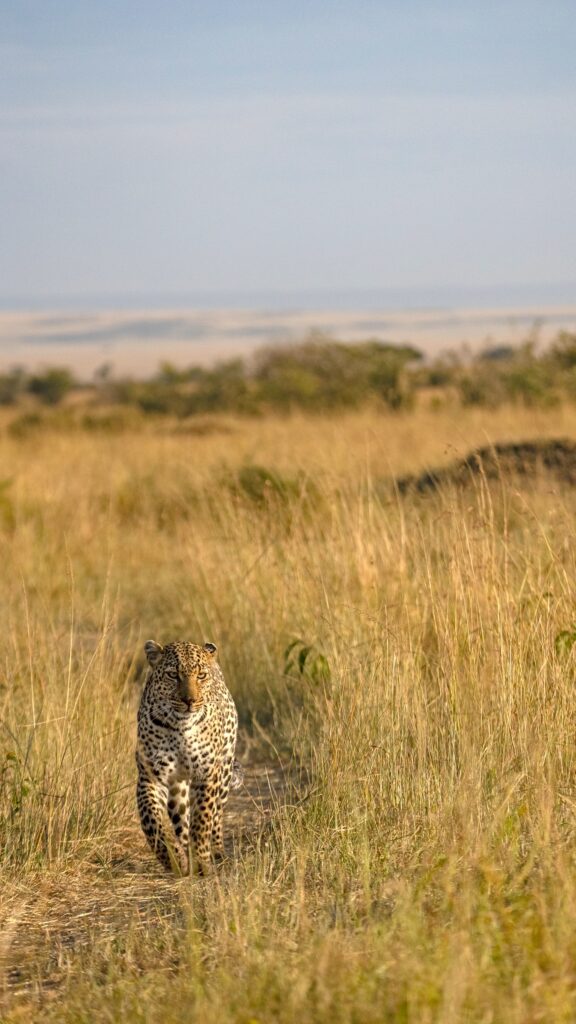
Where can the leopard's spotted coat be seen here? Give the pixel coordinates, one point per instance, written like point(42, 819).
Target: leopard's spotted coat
point(187, 724)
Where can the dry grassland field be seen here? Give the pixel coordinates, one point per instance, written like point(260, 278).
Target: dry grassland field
point(404, 846)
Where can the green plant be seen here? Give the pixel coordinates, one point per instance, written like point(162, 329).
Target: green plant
point(306, 661)
point(564, 640)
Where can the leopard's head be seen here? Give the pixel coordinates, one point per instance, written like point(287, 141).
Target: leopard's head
point(185, 667)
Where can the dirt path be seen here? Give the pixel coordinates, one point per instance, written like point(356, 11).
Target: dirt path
point(49, 919)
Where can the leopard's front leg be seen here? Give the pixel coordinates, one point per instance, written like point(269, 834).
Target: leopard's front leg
point(152, 797)
point(204, 796)
point(223, 788)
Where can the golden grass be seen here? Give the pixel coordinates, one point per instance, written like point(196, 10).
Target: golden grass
point(419, 862)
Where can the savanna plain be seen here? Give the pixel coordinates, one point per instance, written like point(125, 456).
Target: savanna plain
point(404, 848)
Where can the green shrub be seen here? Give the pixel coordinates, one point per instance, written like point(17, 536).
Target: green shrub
point(261, 485)
point(147, 499)
point(52, 385)
point(562, 351)
point(270, 491)
point(322, 374)
point(12, 385)
point(26, 424)
point(225, 388)
point(529, 384)
point(480, 388)
point(116, 422)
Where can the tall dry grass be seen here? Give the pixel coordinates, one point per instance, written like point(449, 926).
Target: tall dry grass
point(421, 866)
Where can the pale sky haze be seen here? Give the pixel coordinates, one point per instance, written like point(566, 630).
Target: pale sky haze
point(230, 146)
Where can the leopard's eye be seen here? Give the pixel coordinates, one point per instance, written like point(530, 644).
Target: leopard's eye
point(202, 675)
point(171, 673)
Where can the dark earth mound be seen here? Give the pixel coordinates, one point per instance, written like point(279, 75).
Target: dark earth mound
point(523, 458)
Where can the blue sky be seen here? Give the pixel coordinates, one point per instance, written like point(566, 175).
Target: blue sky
point(168, 149)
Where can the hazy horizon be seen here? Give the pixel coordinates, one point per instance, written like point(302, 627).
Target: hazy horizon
point(137, 341)
point(454, 298)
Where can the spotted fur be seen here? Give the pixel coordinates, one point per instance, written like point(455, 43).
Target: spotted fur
point(187, 726)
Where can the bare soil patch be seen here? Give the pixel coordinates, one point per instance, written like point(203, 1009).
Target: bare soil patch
point(49, 919)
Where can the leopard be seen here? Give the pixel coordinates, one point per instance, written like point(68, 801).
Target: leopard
point(187, 732)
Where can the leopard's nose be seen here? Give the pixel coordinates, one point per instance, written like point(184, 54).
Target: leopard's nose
point(188, 688)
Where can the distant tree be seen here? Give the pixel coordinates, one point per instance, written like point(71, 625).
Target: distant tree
point(103, 373)
point(562, 351)
point(12, 385)
point(52, 385)
point(497, 353)
point(170, 374)
point(225, 387)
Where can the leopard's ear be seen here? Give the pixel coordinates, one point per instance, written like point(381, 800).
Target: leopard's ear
point(210, 649)
point(153, 652)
